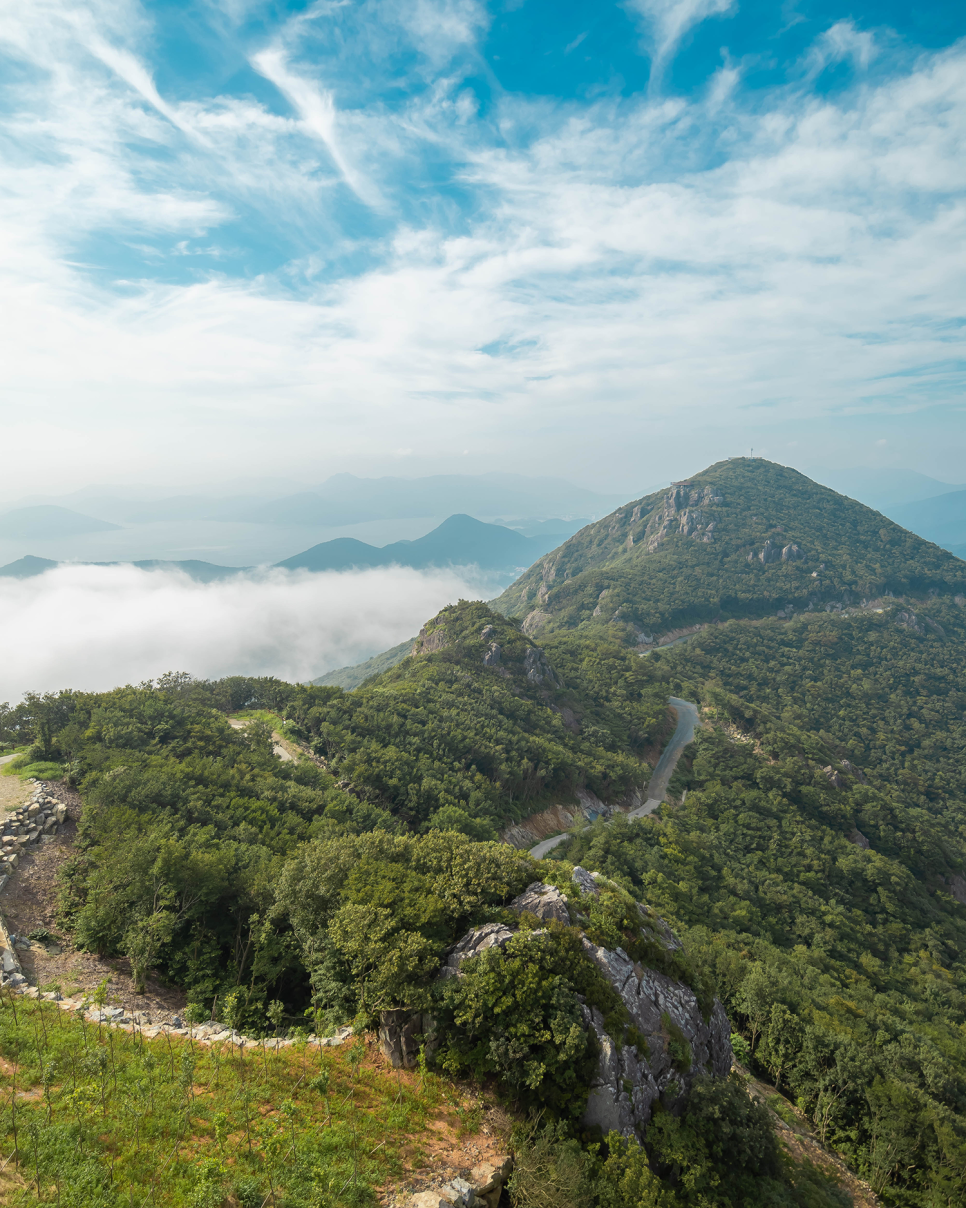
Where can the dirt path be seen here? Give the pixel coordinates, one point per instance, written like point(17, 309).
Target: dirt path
point(657, 786)
point(13, 791)
point(281, 747)
point(30, 904)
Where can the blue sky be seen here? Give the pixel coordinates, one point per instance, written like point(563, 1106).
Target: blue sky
point(613, 241)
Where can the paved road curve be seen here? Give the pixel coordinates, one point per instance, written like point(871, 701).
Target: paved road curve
point(657, 786)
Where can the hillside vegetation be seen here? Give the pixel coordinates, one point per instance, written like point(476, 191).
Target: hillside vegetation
point(743, 538)
point(816, 868)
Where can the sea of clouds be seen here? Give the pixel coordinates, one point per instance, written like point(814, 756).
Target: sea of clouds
point(95, 627)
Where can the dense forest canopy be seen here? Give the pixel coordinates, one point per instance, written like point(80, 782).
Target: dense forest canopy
point(816, 867)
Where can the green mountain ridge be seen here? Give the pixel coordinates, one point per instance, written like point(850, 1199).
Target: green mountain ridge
point(743, 538)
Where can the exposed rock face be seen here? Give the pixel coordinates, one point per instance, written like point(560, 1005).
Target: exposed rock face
point(534, 622)
point(681, 509)
point(545, 901)
point(858, 839)
point(537, 668)
point(679, 1044)
point(541, 826)
point(792, 553)
point(490, 935)
point(628, 1083)
point(957, 887)
point(399, 1037)
point(835, 779)
point(431, 637)
point(907, 619)
point(854, 771)
point(492, 656)
point(667, 1014)
point(770, 553)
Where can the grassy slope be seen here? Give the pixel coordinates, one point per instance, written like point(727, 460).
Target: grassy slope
point(105, 1117)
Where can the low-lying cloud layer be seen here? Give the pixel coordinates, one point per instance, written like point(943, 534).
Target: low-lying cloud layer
point(93, 628)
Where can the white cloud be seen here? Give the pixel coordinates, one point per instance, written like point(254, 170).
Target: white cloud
point(92, 628)
point(316, 108)
point(842, 41)
point(667, 21)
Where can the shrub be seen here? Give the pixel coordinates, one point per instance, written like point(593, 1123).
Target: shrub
point(515, 1013)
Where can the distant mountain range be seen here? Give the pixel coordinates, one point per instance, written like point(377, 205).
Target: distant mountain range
point(458, 541)
point(203, 572)
point(941, 519)
point(257, 528)
point(884, 489)
point(47, 521)
point(346, 499)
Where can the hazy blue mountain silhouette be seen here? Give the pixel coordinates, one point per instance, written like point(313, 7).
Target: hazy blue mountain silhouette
point(458, 541)
point(45, 521)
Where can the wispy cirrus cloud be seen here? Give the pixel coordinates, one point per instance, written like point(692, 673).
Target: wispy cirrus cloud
point(667, 21)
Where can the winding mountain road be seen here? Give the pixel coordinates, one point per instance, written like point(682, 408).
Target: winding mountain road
point(657, 786)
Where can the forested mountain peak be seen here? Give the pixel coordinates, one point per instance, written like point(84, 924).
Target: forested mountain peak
point(745, 537)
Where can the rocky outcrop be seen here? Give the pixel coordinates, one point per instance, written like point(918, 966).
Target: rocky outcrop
point(544, 901)
point(431, 637)
point(668, 1043)
point(677, 1046)
point(536, 667)
point(490, 935)
point(492, 657)
point(907, 619)
point(534, 622)
point(681, 511)
point(400, 1035)
point(770, 553)
point(854, 771)
point(792, 553)
point(957, 887)
point(482, 1189)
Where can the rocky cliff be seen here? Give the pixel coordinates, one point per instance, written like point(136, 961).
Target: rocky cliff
point(668, 1042)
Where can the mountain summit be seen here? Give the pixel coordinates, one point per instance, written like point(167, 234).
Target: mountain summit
point(745, 537)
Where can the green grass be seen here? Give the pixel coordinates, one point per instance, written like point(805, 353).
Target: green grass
point(278, 723)
point(107, 1117)
point(39, 771)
